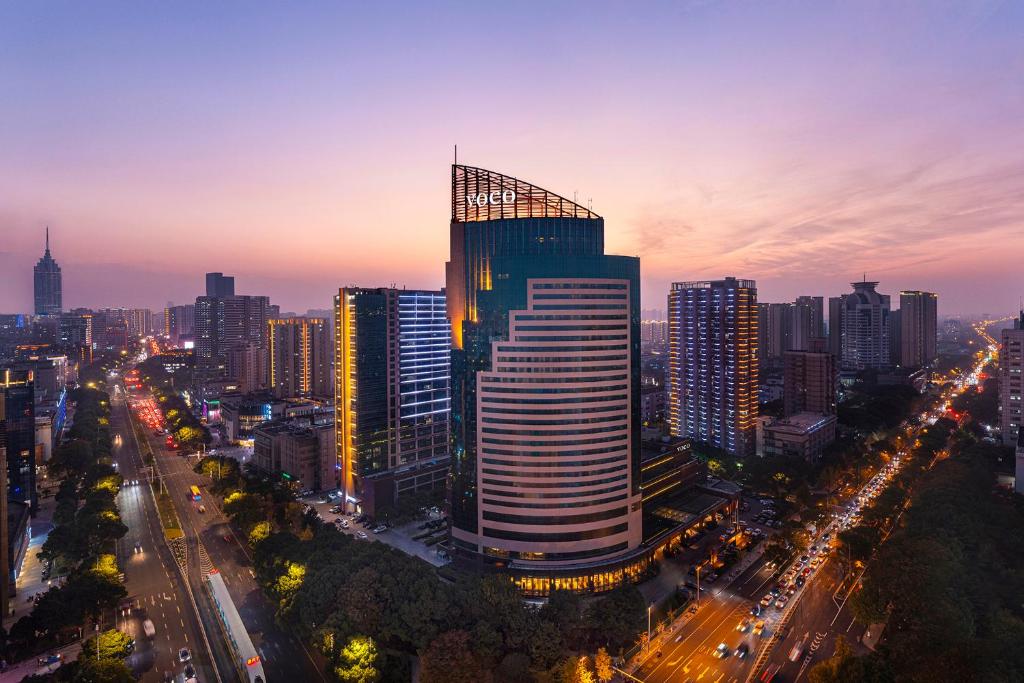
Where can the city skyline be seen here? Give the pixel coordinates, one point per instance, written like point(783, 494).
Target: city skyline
point(905, 170)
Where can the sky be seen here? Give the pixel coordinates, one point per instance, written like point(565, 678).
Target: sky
point(305, 146)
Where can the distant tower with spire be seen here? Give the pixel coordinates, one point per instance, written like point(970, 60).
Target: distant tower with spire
point(47, 279)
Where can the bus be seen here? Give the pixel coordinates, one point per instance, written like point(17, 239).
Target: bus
point(244, 654)
point(194, 490)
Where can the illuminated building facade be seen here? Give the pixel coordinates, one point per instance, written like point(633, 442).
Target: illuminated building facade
point(859, 328)
point(17, 413)
point(47, 285)
point(545, 333)
point(300, 354)
point(392, 399)
point(713, 368)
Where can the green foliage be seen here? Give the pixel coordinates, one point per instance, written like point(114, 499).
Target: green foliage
point(845, 667)
point(858, 543)
point(113, 644)
point(358, 661)
point(449, 659)
point(616, 618)
point(103, 671)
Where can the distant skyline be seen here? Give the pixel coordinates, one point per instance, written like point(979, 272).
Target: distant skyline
point(303, 148)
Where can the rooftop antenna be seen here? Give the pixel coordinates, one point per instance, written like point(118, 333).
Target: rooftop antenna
point(456, 155)
point(47, 239)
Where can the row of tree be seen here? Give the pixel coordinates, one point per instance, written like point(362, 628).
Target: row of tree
point(947, 582)
point(81, 546)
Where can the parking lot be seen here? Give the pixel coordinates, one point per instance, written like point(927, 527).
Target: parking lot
point(409, 538)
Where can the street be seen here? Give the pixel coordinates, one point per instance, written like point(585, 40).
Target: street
point(152, 580)
point(211, 543)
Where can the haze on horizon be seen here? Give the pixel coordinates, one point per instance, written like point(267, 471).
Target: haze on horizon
point(301, 148)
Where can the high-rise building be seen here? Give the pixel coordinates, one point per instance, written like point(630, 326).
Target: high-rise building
point(47, 283)
point(18, 415)
point(179, 321)
point(392, 398)
point(809, 381)
point(300, 354)
point(918, 328)
point(775, 332)
point(223, 322)
point(713, 368)
point(246, 365)
point(1011, 381)
point(654, 333)
point(217, 285)
point(545, 333)
point(808, 322)
point(859, 327)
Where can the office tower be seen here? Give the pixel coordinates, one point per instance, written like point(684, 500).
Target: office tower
point(6, 589)
point(140, 322)
point(392, 398)
point(179, 321)
point(75, 329)
point(809, 381)
point(1011, 381)
point(300, 354)
point(222, 322)
point(217, 285)
point(918, 317)
point(47, 283)
point(713, 369)
point(775, 332)
point(545, 335)
point(861, 330)
point(808, 321)
point(17, 392)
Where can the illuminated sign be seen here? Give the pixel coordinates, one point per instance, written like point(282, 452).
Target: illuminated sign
point(252, 661)
point(493, 198)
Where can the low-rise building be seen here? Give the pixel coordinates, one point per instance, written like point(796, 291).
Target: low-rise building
point(299, 451)
point(804, 435)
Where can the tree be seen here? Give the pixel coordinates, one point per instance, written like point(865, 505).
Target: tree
point(448, 659)
point(616, 618)
point(103, 671)
point(583, 673)
point(113, 644)
point(357, 662)
point(245, 509)
point(859, 542)
point(603, 666)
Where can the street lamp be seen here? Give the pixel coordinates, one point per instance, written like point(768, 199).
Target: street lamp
point(698, 585)
point(649, 626)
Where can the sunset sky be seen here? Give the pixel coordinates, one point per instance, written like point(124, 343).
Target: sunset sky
point(304, 146)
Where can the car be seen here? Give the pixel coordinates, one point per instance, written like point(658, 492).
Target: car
point(201, 509)
point(362, 535)
point(800, 580)
point(767, 600)
point(379, 529)
point(796, 652)
point(148, 628)
point(138, 547)
point(184, 655)
point(759, 627)
point(804, 559)
point(722, 651)
point(190, 674)
point(781, 602)
point(743, 626)
point(343, 524)
point(742, 650)
point(755, 611)
point(50, 659)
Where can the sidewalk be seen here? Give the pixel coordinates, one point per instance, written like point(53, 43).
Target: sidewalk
point(30, 580)
point(30, 666)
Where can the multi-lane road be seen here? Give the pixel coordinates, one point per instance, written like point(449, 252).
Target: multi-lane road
point(155, 587)
point(212, 543)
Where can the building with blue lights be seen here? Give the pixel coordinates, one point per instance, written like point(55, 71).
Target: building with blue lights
point(392, 394)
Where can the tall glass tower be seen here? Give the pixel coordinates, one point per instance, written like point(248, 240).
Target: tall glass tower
point(47, 283)
point(545, 335)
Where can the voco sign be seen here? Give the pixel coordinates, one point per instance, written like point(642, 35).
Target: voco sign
point(495, 198)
